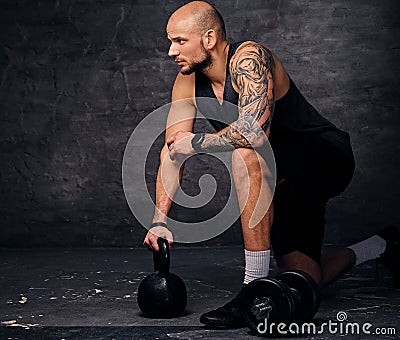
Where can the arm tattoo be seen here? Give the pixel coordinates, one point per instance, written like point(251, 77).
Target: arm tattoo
point(251, 72)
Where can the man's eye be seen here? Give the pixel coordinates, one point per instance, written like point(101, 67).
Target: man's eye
point(180, 41)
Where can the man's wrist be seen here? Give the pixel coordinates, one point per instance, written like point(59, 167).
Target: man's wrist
point(197, 140)
point(158, 224)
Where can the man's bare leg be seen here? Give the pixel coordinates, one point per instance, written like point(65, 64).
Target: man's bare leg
point(297, 260)
point(332, 265)
point(383, 244)
point(250, 175)
point(335, 264)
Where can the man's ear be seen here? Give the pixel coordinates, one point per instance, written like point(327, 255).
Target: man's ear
point(209, 39)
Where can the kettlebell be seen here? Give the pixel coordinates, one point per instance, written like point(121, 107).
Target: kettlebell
point(162, 294)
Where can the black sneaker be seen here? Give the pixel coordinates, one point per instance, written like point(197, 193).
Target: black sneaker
point(226, 317)
point(390, 258)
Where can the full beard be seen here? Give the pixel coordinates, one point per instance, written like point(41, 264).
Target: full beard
point(200, 66)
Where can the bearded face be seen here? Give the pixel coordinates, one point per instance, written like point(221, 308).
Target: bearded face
point(199, 63)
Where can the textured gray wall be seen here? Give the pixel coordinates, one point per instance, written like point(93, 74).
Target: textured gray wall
point(76, 77)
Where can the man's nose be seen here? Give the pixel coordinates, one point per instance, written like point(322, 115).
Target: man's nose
point(173, 51)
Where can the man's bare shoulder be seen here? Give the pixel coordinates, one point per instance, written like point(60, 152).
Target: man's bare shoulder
point(251, 61)
point(250, 44)
point(250, 49)
point(184, 87)
point(251, 57)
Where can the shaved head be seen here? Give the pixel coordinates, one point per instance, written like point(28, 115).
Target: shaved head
point(203, 16)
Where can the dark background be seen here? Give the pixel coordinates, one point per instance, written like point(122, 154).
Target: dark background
point(76, 77)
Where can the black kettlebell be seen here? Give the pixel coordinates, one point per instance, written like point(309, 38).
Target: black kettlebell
point(162, 294)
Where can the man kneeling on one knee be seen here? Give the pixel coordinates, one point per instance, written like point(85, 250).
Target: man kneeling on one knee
point(314, 159)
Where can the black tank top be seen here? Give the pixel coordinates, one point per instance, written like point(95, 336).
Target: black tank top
point(293, 115)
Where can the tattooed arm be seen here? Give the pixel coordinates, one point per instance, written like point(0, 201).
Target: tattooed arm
point(251, 73)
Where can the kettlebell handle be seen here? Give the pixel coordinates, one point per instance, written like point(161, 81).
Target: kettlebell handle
point(161, 258)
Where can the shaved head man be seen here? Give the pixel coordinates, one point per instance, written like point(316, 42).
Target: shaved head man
point(314, 158)
point(188, 22)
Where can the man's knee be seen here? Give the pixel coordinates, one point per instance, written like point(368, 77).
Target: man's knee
point(297, 260)
point(247, 162)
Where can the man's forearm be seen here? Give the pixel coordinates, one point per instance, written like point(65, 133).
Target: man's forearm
point(243, 133)
point(168, 180)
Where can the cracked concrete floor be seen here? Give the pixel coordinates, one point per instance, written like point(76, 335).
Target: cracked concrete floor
point(91, 294)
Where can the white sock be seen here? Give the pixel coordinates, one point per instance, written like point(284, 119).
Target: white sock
point(368, 249)
point(257, 264)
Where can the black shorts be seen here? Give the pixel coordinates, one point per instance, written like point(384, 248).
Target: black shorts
point(312, 171)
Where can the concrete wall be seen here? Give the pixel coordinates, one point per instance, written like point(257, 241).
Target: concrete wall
point(76, 77)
